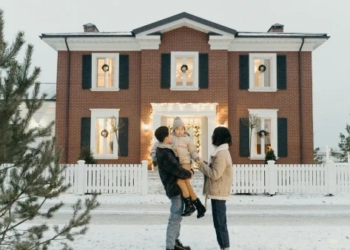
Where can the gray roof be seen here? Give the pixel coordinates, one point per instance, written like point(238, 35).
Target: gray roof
point(190, 17)
point(181, 16)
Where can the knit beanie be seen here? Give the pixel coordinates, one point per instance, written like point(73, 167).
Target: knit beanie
point(178, 122)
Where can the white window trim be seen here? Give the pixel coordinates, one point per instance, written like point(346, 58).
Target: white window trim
point(273, 73)
point(94, 58)
point(103, 113)
point(182, 54)
point(269, 114)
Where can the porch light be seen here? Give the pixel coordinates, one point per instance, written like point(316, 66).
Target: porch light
point(262, 68)
point(104, 133)
point(105, 67)
point(145, 127)
point(184, 68)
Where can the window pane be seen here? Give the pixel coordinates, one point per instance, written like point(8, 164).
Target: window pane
point(257, 73)
point(100, 73)
point(99, 137)
point(267, 127)
point(267, 73)
point(179, 74)
point(258, 145)
point(110, 72)
point(109, 138)
point(189, 73)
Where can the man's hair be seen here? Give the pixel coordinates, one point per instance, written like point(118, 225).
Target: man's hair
point(221, 135)
point(161, 133)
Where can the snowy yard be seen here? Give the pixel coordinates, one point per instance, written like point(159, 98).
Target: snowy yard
point(291, 222)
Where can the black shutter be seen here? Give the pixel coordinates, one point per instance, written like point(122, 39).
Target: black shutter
point(244, 72)
point(243, 139)
point(165, 71)
point(282, 137)
point(281, 72)
point(123, 136)
point(203, 71)
point(85, 132)
point(86, 79)
point(123, 71)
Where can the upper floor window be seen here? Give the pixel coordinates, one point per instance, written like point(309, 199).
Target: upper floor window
point(105, 72)
point(262, 72)
point(184, 71)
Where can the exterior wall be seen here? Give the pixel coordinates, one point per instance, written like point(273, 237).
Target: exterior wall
point(144, 88)
point(82, 100)
point(182, 39)
point(286, 101)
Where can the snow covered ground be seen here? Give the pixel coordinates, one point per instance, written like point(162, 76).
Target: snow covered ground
point(256, 222)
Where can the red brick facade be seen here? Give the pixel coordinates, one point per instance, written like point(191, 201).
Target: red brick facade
point(144, 89)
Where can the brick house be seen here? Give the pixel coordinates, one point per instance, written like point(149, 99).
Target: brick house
point(183, 65)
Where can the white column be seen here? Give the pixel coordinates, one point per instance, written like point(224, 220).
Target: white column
point(211, 127)
point(144, 177)
point(81, 177)
point(272, 181)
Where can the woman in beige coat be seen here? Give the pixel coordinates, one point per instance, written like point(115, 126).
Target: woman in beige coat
point(218, 181)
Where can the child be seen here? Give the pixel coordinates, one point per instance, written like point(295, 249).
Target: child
point(170, 171)
point(186, 151)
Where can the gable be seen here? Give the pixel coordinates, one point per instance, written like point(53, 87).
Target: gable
point(184, 20)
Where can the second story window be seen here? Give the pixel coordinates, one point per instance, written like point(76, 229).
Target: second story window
point(262, 72)
point(105, 72)
point(184, 71)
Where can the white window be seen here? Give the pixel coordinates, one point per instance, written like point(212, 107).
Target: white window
point(262, 72)
point(265, 134)
point(105, 72)
point(184, 71)
point(103, 135)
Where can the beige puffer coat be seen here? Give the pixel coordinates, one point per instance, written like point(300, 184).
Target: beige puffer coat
point(218, 175)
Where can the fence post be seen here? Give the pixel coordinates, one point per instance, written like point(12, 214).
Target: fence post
point(144, 177)
point(331, 174)
point(81, 178)
point(272, 173)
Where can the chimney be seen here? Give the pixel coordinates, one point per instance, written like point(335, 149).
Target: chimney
point(277, 27)
point(90, 27)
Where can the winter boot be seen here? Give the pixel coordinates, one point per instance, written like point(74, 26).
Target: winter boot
point(189, 208)
point(179, 246)
point(200, 208)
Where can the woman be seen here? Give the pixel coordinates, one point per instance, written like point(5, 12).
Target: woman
point(218, 182)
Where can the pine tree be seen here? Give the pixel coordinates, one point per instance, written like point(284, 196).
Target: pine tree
point(29, 176)
point(270, 156)
point(344, 146)
point(318, 159)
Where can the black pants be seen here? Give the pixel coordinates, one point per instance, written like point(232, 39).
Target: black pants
point(220, 222)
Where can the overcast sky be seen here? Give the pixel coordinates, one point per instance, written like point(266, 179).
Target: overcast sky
point(331, 86)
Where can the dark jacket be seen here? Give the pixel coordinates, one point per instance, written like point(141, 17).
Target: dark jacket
point(170, 171)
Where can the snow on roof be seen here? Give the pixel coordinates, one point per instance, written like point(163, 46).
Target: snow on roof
point(88, 34)
point(45, 88)
point(280, 34)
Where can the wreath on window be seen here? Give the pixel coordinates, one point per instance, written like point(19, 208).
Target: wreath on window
point(104, 133)
point(262, 68)
point(263, 133)
point(184, 68)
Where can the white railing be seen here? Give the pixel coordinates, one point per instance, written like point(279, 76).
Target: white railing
point(104, 178)
point(329, 178)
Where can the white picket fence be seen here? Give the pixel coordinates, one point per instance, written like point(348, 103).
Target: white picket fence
point(103, 178)
point(329, 178)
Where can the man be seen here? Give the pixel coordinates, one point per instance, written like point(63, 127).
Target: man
point(170, 171)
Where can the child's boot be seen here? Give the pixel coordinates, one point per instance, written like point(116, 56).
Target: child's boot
point(200, 208)
point(189, 208)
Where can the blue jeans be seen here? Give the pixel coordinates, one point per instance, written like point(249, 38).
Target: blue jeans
point(220, 222)
point(174, 223)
